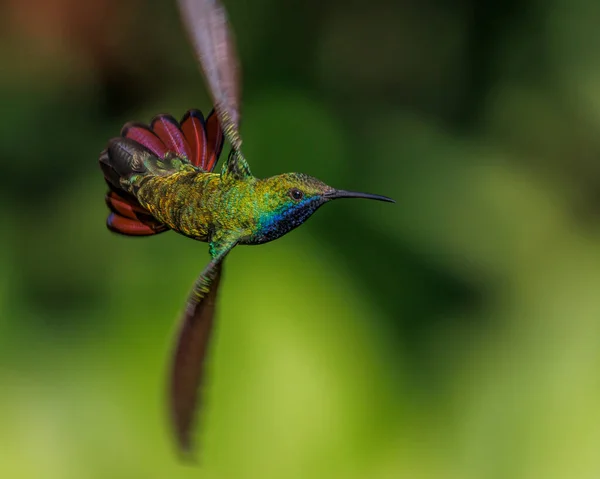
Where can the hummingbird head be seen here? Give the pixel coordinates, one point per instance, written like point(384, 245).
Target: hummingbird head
point(288, 200)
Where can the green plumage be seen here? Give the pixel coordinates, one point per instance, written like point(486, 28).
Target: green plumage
point(209, 206)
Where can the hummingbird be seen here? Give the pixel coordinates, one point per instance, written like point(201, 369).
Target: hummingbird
point(162, 177)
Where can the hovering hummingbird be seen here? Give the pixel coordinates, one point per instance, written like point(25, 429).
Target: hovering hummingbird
point(162, 177)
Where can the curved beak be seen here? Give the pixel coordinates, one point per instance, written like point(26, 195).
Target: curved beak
point(335, 194)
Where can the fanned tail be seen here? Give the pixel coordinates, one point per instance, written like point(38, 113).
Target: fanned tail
point(196, 141)
point(119, 162)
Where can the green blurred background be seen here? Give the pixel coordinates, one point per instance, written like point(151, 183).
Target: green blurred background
point(453, 335)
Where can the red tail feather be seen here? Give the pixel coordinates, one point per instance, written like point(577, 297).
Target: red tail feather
point(214, 137)
point(197, 139)
point(169, 131)
point(146, 137)
point(125, 226)
point(129, 218)
point(205, 137)
point(192, 125)
point(123, 207)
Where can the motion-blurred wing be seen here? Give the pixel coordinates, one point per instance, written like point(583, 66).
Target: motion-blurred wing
point(190, 354)
point(208, 28)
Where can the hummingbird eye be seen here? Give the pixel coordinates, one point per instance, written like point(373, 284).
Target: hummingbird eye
point(296, 194)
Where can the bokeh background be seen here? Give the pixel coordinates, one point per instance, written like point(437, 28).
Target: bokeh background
point(453, 335)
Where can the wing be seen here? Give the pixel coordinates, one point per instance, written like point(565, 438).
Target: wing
point(188, 361)
point(208, 28)
point(187, 369)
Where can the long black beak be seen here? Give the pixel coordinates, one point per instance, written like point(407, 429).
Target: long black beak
point(335, 194)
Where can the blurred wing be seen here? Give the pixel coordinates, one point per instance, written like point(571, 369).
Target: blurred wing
point(208, 28)
point(192, 344)
point(190, 354)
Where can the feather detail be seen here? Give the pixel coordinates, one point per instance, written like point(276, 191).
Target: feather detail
point(143, 135)
point(158, 150)
point(193, 127)
point(197, 140)
point(119, 161)
point(168, 130)
point(214, 138)
point(122, 207)
point(130, 227)
point(205, 138)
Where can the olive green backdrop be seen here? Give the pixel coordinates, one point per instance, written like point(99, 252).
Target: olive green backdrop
point(453, 335)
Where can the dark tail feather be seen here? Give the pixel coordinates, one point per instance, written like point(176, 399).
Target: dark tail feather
point(118, 162)
point(110, 175)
